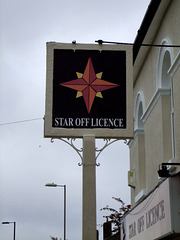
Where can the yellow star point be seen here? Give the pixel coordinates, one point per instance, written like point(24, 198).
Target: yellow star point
point(99, 75)
point(99, 94)
point(79, 94)
point(79, 75)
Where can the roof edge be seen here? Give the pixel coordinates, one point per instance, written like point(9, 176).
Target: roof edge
point(149, 15)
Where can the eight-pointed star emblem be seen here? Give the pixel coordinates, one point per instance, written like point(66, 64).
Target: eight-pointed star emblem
point(89, 85)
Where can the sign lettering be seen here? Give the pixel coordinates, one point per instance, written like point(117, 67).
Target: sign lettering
point(151, 217)
point(89, 122)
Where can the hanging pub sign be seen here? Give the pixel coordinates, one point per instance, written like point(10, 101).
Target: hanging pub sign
point(89, 91)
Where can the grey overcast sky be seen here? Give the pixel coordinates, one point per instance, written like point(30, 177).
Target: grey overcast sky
point(27, 160)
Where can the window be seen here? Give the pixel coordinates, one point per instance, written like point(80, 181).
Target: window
point(138, 112)
point(164, 63)
point(164, 82)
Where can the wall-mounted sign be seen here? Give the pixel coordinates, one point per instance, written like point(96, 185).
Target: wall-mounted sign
point(157, 216)
point(89, 91)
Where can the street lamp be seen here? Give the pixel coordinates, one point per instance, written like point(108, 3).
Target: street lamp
point(64, 186)
point(14, 228)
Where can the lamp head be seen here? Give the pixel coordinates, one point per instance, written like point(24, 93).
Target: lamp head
point(164, 172)
point(51, 185)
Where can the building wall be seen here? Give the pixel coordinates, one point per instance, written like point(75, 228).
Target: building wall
point(157, 105)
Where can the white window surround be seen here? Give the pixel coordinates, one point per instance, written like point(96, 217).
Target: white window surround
point(175, 65)
point(139, 100)
point(160, 64)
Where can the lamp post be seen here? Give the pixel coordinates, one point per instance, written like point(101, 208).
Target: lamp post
point(64, 186)
point(14, 237)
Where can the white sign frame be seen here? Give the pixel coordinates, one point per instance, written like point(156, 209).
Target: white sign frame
point(52, 132)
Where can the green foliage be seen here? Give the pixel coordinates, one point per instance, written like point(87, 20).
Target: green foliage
point(116, 215)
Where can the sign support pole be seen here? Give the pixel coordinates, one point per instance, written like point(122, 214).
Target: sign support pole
point(89, 189)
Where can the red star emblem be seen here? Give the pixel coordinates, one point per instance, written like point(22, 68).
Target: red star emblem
point(89, 85)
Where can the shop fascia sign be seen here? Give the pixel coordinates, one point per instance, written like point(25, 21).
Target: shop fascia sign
point(89, 90)
point(152, 219)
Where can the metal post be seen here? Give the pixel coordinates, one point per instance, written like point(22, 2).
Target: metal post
point(14, 230)
point(14, 236)
point(64, 212)
point(64, 186)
